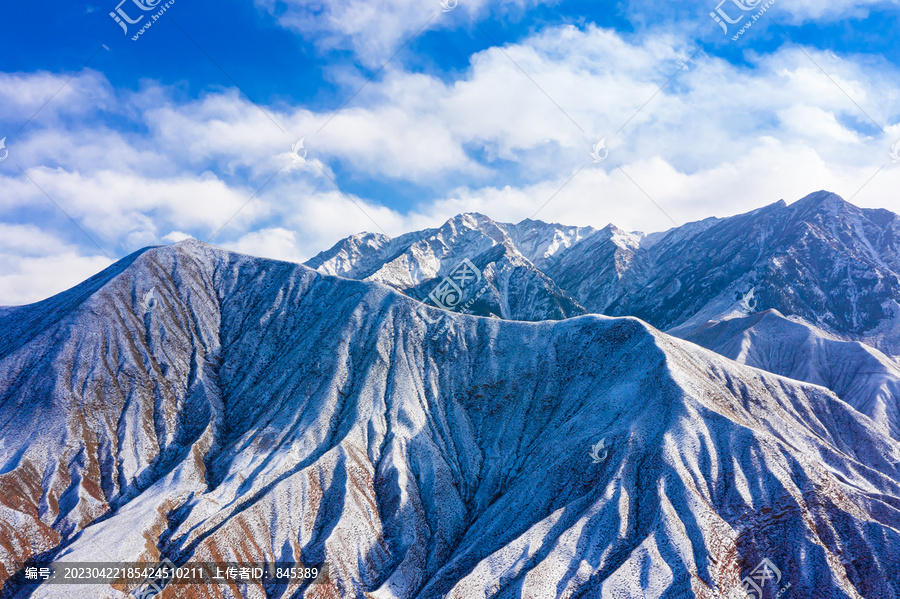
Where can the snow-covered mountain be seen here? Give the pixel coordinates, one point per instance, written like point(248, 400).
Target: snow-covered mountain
point(509, 258)
point(822, 259)
point(210, 406)
point(860, 375)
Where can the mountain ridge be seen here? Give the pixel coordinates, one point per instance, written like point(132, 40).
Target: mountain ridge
point(862, 376)
point(254, 397)
point(690, 274)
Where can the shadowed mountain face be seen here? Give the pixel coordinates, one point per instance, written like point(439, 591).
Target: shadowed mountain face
point(210, 406)
point(822, 259)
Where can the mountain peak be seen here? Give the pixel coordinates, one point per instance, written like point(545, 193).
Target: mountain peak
point(472, 219)
point(821, 200)
point(187, 242)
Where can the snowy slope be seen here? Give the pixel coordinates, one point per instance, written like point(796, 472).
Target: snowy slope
point(820, 258)
point(860, 375)
point(507, 255)
point(365, 256)
point(208, 405)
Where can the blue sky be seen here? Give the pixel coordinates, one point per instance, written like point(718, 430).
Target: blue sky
point(411, 114)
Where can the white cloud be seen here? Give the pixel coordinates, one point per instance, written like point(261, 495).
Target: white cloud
point(25, 280)
point(418, 128)
point(175, 237)
point(276, 243)
point(116, 205)
point(23, 94)
point(320, 218)
point(35, 264)
point(376, 30)
point(28, 240)
point(833, 10)
point(720, 139)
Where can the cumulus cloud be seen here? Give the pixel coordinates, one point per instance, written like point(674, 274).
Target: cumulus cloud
point(374, 31)
point(27, 279)
point(37, 264)
point(276, 243)
point(644, 192)
point(117, 205)
point(719, 139)
point(23, 94)
point(415, 127)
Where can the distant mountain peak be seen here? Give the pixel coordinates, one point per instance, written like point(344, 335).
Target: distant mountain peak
point(821, 200)
point(471, 219)
point(791, 255)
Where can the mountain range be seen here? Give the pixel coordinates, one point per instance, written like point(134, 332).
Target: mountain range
point(831, 267)
point(821, 259)
point(195, 404)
